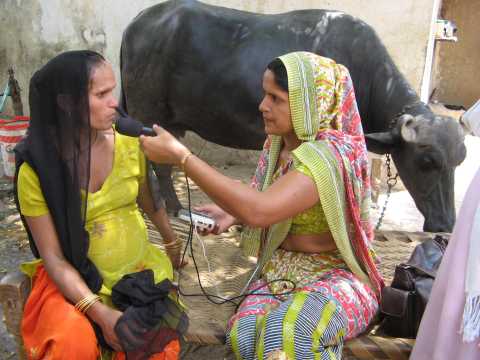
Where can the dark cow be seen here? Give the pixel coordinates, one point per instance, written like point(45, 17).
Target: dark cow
point(192, 66)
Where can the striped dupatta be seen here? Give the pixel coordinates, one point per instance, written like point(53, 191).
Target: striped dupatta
point(325, 117)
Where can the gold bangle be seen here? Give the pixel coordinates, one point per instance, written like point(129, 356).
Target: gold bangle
point(89, 305)
point(184, 160)
point(171, 244)
point(174, 247)
point(83, 301)
point(84, 304)
point(80, 306)
point(92, 301)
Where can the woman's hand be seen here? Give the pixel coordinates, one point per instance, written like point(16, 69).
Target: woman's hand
point(163, 148)
point(223, 220)
point(106, 318)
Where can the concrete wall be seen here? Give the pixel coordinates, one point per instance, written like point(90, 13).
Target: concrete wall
point(404, 26)
point(32, 31)
point(457, 74)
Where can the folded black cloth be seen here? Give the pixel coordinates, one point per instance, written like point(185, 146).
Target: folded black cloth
point(151, 318)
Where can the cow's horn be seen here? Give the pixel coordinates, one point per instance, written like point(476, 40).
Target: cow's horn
point(407, 128)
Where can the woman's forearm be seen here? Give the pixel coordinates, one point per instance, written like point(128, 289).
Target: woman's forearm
point(287, 197)
point(67, 279)
point(290, 195)
point(236, 198)
point(72, 286)
point(158, 217)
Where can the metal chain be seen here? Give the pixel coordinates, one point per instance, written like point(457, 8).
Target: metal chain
point(391, 182)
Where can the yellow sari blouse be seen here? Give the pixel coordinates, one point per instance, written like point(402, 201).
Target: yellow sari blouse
point(118, 236)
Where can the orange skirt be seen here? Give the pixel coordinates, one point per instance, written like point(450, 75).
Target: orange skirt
point(53, 329)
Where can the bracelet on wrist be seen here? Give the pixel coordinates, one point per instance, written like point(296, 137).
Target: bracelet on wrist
point(173, 246)
point(170, 244)
point(184, 160)
point(84, 304)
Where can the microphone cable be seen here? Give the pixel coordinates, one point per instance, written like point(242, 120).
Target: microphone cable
point(217, 299)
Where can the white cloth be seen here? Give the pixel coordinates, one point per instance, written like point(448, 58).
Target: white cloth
point(439, 336)
point(471, 119)
point(472, 279)
point(471, 312)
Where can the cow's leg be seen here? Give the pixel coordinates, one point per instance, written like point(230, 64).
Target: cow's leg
point(162, 190)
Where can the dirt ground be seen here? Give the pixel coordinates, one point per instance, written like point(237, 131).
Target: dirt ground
point(401, 214)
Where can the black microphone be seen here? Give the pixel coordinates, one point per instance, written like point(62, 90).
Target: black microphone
point(126, 125)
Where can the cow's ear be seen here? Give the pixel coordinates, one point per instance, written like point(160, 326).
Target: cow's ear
point(408, 128)
point(381, 142)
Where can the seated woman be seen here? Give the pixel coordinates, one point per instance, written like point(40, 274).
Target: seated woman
point(307, 212)
point(79, 186)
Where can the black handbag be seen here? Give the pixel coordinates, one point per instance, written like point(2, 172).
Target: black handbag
point(404, 302)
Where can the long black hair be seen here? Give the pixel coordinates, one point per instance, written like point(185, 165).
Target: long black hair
point(57, 147)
